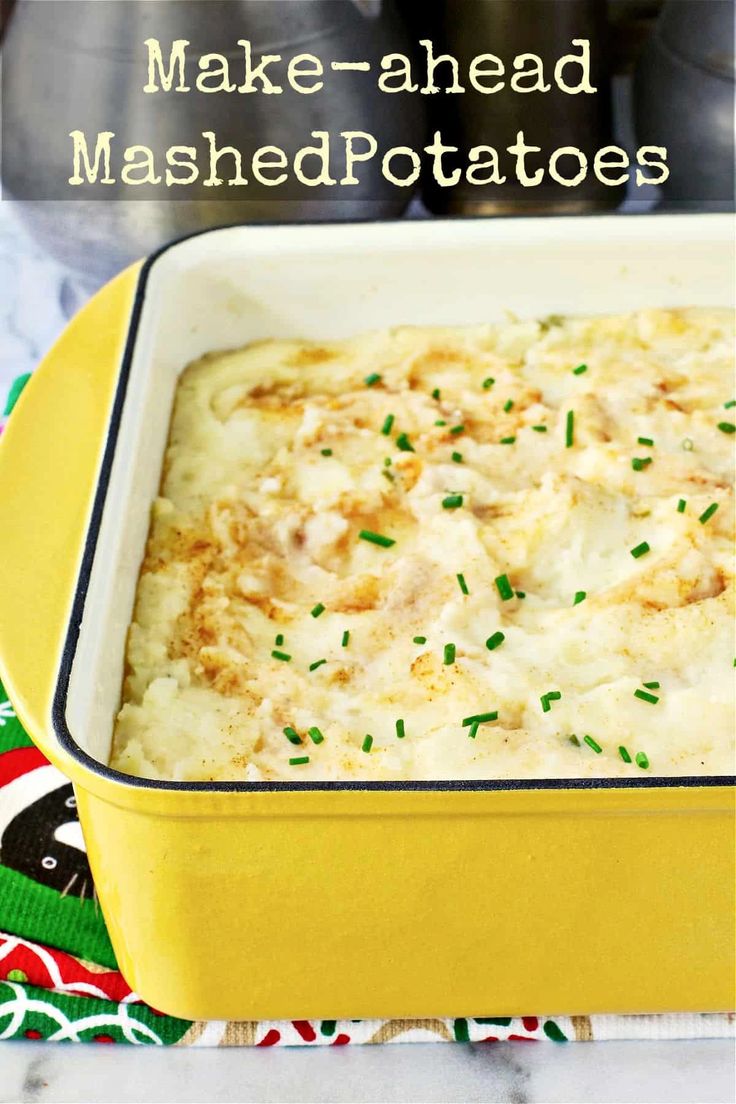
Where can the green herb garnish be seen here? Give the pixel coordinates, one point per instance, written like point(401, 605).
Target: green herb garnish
point(457, 457)
point(624, 754)
point(640, 550)
point(708, 513)
point(495, 641)
point(317, 663)
point(641, 760)
point(592, 744)
point(580, 369)
point(640, 463)
point(539, 429)
point(727, 427)
point(292, 735)
point(504, 588)
point(457, 429)
point(644, 696)
point(451, 502)
point(473, 730)
point(376, 538)
point(436, 393)
point(489, 382)
point(317, 610)
point(299, 761)
point(388, 423)
point(580, 596)
point(507, 440)
point(279, 640)
point(276, 654)
point(651, 685)
point(419, 639)
point(404, 444)
point(681, 506)
point(508, 405)
point(400, 730)
point(315, 735)
point(462, 584)
point(480, 718)
point(367, 744)
point(570, 429)
point(449, 654)
point(326, 452)
point(372, 379)
point(646, 441)
point(345, 638)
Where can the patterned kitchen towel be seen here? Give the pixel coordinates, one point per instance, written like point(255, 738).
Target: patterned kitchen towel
point(59, 978)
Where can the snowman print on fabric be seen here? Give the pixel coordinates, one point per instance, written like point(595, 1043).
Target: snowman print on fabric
point(40, 835)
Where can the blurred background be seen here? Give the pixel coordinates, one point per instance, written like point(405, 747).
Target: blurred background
point(664, 70)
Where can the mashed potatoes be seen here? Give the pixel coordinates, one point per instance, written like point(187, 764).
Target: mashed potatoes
point(361, 546)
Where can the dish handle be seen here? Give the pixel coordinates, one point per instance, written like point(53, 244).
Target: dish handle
point(49, 458)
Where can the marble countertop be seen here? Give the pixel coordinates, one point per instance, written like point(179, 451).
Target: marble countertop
point(37, 297)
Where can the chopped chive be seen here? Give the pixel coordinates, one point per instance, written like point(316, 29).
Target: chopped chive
point(317, 663)
point(681, 506)
point(451, 502)
point(504, 588)
point(644, 696)
point(570, 429)
point(580, 369)
point(688, 445)
point(326, 452)
point(457, 457)
point(651, 685)
point(624, 754)
point(315, 735)
point(574, 740)
point(640, 550)
point(317, 610)
point(449, 654)
point(403, 443)
point(592, 744)
point(462, 584)
point(276, 654)
point(374, 377)
point(400, 730)
point(550, 696)
point(489, 382)
point(641, 760)
point(279, 640)
point(367, 744)
point(375, 538)
point(708, 513)
point(440, 422)
point(727, 427)
point(580, 596)
point(292, 735)
point(495, 641)
point(419, 639)
point(728, 405)
point(508, 405)
point(436, 393)
point(473, 730)
point(299, 761)
point(386, 427)
point(646, 441)
point(388, 475)
point(457, 429)
point(507, 440)
point(345, 638)
point(639, 463)
point(520, 593)
point(480, 718)
point(539, 429)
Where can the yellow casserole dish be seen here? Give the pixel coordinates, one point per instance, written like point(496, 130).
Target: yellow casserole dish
point(344, 899)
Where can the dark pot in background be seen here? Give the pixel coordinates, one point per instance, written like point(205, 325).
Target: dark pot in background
point(466, 28)
point(684, 100)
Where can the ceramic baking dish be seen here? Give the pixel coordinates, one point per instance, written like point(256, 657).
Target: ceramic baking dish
point(283, 899)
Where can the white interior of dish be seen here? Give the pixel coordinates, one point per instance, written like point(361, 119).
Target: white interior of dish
point(229, 287)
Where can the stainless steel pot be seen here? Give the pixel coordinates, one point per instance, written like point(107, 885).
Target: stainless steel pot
point(84, 60)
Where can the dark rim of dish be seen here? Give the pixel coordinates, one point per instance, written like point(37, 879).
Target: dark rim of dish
point(58, 709)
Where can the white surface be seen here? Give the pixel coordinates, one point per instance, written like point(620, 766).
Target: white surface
point(37, 296)
point(509, 1073)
